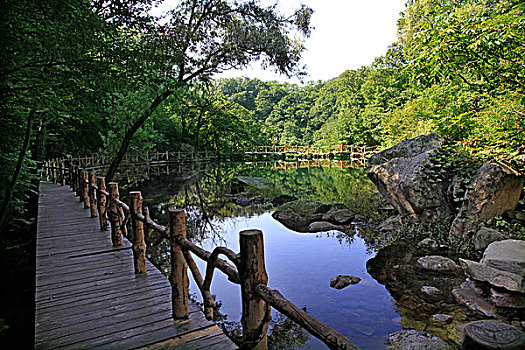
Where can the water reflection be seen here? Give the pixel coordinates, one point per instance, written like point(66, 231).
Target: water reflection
point(299, 265)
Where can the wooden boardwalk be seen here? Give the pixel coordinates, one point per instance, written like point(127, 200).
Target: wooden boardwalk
point(88, 297)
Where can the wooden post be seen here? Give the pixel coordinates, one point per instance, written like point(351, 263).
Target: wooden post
point(71, 175)
point(252, 272)
point(92, 198)
point(101, 203)
point(114, 217)
point(74, 178)
point(85, 189)
point(139, 245)
point(80, 186)
point(179, 268)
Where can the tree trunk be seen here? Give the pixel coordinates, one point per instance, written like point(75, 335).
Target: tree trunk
point(131, 132)
point(21, 156)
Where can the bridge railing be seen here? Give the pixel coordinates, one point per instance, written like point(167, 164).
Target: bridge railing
point(246, 268)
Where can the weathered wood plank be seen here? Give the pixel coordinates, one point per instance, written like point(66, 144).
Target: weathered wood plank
point(87, 295)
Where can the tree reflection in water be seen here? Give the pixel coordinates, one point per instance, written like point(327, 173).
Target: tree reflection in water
point(204, 193)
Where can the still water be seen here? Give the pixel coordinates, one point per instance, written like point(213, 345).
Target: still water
point(299, 265)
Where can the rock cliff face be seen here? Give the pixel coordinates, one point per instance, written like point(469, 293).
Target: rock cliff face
point(399, 175)
point(396, 172)
point(495, 188)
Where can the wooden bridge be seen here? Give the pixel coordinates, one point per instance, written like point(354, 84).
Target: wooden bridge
point(356, 153)
point(95, 290)
point(88, 296)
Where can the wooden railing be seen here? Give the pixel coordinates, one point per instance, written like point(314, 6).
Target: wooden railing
point(246, 268)
point(351, 149)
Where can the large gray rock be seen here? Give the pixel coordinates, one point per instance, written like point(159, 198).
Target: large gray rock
point(415, 340)
point(495, 189)
point(397, 171)
point(247, 183)
point(408, 149)
point(502, 265)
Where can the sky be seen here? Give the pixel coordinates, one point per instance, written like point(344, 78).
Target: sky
point(348, 34)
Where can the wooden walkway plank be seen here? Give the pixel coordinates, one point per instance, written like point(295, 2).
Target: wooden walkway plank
point(87, 295)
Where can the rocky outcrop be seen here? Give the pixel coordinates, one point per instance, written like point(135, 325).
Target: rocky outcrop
point(396, 172)
point(408, 149)
point(495, 188)
point(402, 176)
point(502, 265)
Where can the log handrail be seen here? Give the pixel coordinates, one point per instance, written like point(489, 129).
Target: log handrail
point(246, 268)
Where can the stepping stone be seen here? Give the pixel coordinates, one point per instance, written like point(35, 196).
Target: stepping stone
point(481, 335)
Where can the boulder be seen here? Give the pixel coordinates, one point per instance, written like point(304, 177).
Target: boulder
point(339, 216)
point(415, 340)
point(397, 171)
point(486, 236)
point(502, 265)
point(437, 263)
point(342, 281)
point(297, 215)
point(487, 334)
point(494, 189)
point(283, 198)
point(407, 149)
point(319, 226)
point(247, 183)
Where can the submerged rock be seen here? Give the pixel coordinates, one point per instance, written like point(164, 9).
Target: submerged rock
point(430, 290)
point(415, 340)
point(319, 226)
point(437, 263)
point(492, 335)
point(342, 281)
point(502, 265)
point(246, 183)
point(297, 215)
point(339, 216)
point(443, 318)
point(474, 301)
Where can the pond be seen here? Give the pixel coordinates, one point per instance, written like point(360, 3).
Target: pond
point(299, 265)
